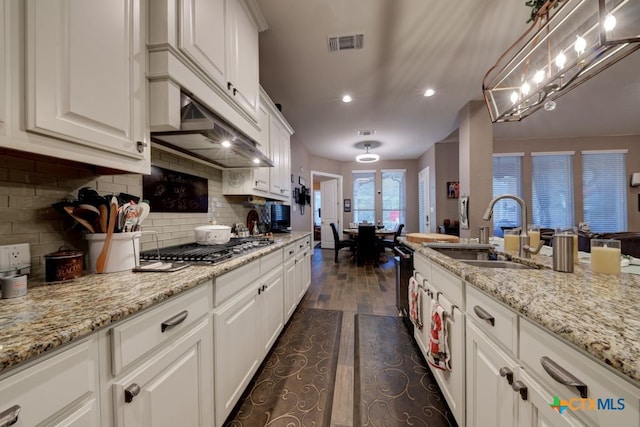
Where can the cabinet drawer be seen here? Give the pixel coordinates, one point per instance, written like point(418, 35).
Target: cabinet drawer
point(65, 382)
point(304, 243)
point(603, 386)
point(136, 337)
point(495, 319)
point(447, 283)
point(270, 261)
point(290, 251)
point(235, 281)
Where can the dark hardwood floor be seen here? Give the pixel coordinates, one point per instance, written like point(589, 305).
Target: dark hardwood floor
point(352, 289)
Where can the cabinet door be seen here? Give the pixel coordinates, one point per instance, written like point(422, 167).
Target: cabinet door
point(490, 398)
point(172, 388)
point(271, 307)
point(275, 138)
point(290, 295)
point(243, 55)
point(237, 340)
point(86, 81)
point(203, 37)
point(306, 271)
point(534, 411)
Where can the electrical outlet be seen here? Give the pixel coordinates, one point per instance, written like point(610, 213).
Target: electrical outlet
point(14, 256)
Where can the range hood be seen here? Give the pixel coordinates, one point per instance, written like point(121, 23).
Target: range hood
point(209, 138)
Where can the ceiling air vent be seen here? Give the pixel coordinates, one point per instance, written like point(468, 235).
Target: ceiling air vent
point(366, 132)
point(346, 42)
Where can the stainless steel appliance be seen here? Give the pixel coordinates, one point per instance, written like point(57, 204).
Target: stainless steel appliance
point(194, 253)
point(404, 271)
point(208, 137)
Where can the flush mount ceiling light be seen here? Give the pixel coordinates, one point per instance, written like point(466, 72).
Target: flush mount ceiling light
point(429, 92)
point(573, 41)
point(347, 98)
point(367, 157)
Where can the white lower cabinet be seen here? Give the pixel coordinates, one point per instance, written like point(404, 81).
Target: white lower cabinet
point(271, 308)
point(303, 268)
point(490, 399)
point(61, 390)
point(438, 284)
point(173, 387)
point(290, 278)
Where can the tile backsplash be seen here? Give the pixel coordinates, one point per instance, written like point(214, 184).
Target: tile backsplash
point(30, 184)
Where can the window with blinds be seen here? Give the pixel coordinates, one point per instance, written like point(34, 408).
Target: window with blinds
point(364, 196)
point(552, 189)
point(604, 190)
point(393, 198)
point(507, 179)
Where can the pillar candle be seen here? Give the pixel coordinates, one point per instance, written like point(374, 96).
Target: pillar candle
point(534, 238)
point(605, 260)
point(511, 242)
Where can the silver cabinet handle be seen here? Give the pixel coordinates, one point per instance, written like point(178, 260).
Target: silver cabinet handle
point(507, 373)
point(140, 146)
point(292, 251)
point(484, 315)
point(520, 388)
point(10, 416)
point(174, 321)
point(130, 392)
point(563, 376)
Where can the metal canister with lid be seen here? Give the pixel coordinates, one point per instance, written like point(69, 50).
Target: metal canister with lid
point(563, 252)
point(65, 264)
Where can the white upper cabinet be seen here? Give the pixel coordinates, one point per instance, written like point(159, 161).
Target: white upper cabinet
point(242, 57)
point(85, 79)
point(203, 36)
point(208, 48)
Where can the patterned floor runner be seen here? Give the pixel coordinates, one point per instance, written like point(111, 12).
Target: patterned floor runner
point(393, 385)
point(294, 386)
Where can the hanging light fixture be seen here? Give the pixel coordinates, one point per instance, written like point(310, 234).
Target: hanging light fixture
point(367, 157)
point(572, 41)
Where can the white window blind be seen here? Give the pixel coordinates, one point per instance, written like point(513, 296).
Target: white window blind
point(604, 191)
point(507, 179)
point(364, 196)
point(552, 190)
point(393, 198)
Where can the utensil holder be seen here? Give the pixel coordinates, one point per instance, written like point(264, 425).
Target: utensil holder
point(563, 253)
point(123, 255)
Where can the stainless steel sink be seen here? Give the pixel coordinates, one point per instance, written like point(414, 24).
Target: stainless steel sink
point(486, 263)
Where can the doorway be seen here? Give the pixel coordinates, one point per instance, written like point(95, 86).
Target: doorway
point(329, 207)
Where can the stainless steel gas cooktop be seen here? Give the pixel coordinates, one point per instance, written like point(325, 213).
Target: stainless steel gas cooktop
point(194, 253)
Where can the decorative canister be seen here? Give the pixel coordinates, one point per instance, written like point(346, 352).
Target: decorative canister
point(66, 264)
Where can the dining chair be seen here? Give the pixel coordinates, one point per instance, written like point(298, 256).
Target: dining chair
point(367, 244)
point(390, 243)
point(341, 244)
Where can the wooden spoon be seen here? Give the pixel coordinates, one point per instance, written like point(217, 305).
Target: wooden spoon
point(80, 220)
point(103, 218)
point(101, 262)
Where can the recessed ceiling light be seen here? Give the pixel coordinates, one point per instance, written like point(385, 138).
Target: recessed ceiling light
point(429, 92)
point(256, 161)
point(226, 143)
point(347, 98)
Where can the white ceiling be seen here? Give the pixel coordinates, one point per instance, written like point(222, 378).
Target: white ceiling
point(411, 45)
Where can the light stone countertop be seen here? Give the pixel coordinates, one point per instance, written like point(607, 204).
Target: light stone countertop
point(597, 313)
point(51, 315)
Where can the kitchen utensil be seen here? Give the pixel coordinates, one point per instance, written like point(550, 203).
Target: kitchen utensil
point(131, 214)
point(121, 210)
point(212, 234)
point(65, 264)
point(86, 224)
point(144, 212)
point(101, 261)
point(104, 217)
point(252, 217)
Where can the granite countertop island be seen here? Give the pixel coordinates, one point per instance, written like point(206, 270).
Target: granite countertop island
point(597, 313)
point(51, 315)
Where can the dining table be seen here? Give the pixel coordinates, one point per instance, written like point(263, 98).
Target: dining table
point(380, 232)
